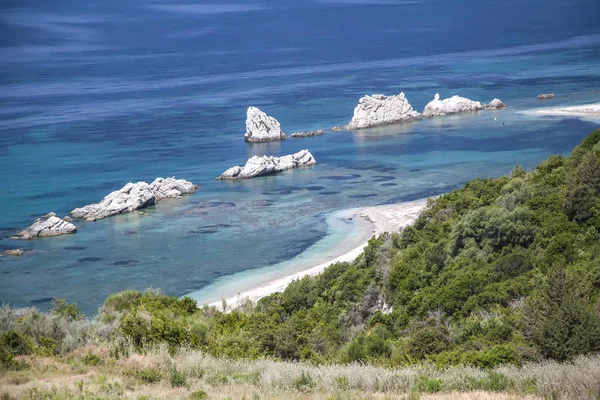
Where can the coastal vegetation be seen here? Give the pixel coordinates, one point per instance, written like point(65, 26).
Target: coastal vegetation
point(495, 288)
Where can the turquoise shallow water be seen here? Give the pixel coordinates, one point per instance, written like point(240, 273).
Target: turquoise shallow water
point(93, 96)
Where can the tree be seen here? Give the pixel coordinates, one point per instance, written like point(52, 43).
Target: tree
point(558, 319)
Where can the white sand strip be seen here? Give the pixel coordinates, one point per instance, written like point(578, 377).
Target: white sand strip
point(586, 110)
point(386, 218)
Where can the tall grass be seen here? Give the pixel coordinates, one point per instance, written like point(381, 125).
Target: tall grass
point(158, 373)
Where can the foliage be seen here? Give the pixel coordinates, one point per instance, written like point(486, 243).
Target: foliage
point(67, 310)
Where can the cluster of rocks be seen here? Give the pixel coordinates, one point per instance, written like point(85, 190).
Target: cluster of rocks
point(545, 96)
point(48, 225)
point(371, 111)
point(261, 127)
point(135, 196)
point(257, 166)
point(131, 197)
point(380, 110)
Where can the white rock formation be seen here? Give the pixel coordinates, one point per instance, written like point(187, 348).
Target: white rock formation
point(307, 134)
point(544, 96)
point(48, 225)
point(378, 109)
point(165, 188)
point(257, 166)
point(495, 104)
point(260, 127)
point(452, 105)
point(135, 196)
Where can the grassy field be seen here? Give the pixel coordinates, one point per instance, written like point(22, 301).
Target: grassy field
point(92, 372)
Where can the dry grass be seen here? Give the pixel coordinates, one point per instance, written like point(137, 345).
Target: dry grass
point(159, 375)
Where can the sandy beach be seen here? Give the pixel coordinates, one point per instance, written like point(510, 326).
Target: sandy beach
point(586, 110)
point(385, 218)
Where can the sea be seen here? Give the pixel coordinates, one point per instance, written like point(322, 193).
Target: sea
point(96, 94)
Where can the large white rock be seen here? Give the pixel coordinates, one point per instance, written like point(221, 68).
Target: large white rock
point(452, 105)
point(48, 225)
point(257, 166)
point(135, 196)
point(260, 127)
point(378, 109)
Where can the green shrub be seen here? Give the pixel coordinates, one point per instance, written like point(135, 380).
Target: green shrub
point(67, 310)
point(178, 378)
point(342, 383)
point(493, 228)
point(92, 360)
point(559, 321)
point(427, 340)
point(121, 301)
point(16, 343)
point(426, 384)
point(148, 375)
point(198, 395)
point(484, 358)
point(497, 382)
point(304, 383)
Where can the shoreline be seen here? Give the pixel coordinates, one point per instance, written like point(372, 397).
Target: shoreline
point(591, 110)
point(366, 222)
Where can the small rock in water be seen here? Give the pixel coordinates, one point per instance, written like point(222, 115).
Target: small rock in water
point(48, 225)
point(257, 166)
point(307, 134)
point(14, 252)
point(545, 96)
point(495, 104)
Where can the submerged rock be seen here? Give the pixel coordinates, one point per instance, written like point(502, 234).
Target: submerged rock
point(307, 134)
point(378, 110)
point(544, 96)
point(135, 196)
point(48, 225)
point(452, 105)
point(14, 252)
point(257, 166)
point(495, 104)
point(260, 127)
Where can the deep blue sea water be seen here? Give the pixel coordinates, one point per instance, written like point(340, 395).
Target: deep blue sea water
point(96, 94)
